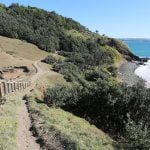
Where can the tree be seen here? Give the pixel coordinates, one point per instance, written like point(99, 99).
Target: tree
point(96, 31)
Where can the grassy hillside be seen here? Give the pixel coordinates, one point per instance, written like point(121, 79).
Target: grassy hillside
point(9, 121)
point(88, 63)
point(52, 32)
point(9, 125)
point(21, 49)
point(13, 53)
point(88, 51)
point(72, 132)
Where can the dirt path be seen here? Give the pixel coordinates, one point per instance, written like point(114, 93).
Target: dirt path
point(39, 72)
point(26, 141)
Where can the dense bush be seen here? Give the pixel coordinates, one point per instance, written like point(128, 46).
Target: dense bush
point(122, 48)
point(65, 66)
point(68, 69)
point(108, 105)
point(113, 71)
point(49, 31)
point(50, 60)
point(104, 103)
point(96, 73)
point(60, 96)
point(137, 135)
point(35, 25)
point(92, 75)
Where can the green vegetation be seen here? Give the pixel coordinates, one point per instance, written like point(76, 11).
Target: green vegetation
point(51, 59)
point(89, 65)
point(108, 105)
point(9, 124)
point(74, 133)
point(52, 32)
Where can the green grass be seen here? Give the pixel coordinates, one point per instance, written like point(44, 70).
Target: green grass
point(9, 124)
point(72, 129)
point(83, 35)
point(76, 34)
point(116, 55)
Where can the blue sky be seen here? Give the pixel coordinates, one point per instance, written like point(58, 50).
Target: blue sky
point(116, 18)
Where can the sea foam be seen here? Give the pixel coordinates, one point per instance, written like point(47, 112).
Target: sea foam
point(143, 71)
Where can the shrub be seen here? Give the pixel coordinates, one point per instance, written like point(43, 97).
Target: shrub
point(60, 96)
point(113, 71)
point(50, 60)
point(68, 76)
point(137, 135)
point(92, 75)
point(95, 74)
point(49, 31)
point(61, 67)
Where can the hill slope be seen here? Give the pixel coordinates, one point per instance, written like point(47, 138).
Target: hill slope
point(52, 32)
point(14, 109)
point(88, 63)
point(22, 49)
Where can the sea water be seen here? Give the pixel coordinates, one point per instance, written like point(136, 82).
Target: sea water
point(141, 48)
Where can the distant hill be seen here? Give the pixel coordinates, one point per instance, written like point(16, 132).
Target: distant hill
point(52, 32)
point(135, 39)
point(89, 65)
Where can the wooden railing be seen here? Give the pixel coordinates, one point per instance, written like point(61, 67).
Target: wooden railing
point(7, 87)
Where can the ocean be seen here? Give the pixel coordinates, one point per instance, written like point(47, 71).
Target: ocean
point(140, 47)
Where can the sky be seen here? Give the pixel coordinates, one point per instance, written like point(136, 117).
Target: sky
point(115, 18)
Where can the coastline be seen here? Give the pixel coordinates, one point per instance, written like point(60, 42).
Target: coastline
point(126, 73)
point(143, 71)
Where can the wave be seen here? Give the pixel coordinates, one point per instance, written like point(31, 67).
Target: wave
point(143, 71)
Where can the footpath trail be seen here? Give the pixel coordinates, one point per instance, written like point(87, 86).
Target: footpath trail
point(26, 141)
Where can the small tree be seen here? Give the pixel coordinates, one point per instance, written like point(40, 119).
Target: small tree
point(137, 135)
point(96, 31)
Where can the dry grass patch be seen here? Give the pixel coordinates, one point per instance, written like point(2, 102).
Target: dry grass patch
point(21, 49)
point(50, 78)
point(44, 66)
point(7, 60)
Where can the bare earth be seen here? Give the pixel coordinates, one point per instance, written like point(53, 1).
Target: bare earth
point(26, 141)
point(18, 53)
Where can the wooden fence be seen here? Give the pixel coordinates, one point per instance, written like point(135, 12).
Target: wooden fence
point(7, 87)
